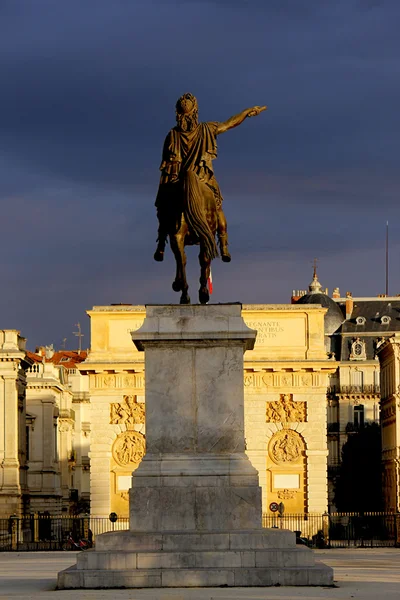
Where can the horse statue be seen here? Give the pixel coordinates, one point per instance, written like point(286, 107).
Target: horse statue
point(189, 201)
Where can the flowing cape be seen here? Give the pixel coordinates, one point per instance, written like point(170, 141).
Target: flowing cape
point(187, 159)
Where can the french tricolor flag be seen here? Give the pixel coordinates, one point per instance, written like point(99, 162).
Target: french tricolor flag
point(210, 285)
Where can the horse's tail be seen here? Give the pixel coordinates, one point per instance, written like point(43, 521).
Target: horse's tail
point(195, 217)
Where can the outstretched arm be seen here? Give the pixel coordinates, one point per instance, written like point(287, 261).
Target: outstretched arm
point(238, 119)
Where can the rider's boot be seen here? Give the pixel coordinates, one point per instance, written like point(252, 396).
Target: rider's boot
point(223, 246)
point(159, 253)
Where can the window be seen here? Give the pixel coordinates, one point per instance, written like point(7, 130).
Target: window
point(357, 378)
point(359, 416)
point(27, 442)
point(377, 379)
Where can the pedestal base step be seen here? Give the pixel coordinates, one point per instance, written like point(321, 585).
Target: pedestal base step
point(183, 541)
point(128, 559)
point(317, 575)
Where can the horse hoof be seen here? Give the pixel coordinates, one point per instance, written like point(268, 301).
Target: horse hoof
point(185, 299)
point(158, 256)
point(204, 296)
point(177, 286)
point(226, 257)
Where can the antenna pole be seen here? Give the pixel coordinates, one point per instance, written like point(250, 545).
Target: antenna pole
point(387, 258)
point(79, 335)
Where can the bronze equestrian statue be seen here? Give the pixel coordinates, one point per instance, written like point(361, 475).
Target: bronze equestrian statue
point(189, 201)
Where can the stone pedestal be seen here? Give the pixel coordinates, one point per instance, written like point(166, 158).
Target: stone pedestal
point(195, 501)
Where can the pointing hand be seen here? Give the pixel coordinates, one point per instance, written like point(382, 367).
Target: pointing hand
point(256, 110)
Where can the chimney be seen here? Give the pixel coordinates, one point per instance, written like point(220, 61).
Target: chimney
point(336, 293)
point(295, 296)
point(49, 351)
point(349, 305)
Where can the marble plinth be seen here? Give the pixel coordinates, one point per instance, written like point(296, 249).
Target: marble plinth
point(244, 558)
point(195, 500)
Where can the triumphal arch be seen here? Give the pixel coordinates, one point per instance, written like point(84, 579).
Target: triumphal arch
point(285, 384)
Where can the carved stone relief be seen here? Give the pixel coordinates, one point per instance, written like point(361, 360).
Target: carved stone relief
point(65, 425)
point(306, 379)
point(128, 412)
point(286, 494)
point(358, 349)
point(109, 381)
point(286, 446)
point(285, 410)
point(129, 448)
point(124, 495)
point(268, 379)
point(286, 380)
point(117, 381)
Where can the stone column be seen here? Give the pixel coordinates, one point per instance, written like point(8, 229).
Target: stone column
point(11, 462)
point(195, 474)
point(12, 377)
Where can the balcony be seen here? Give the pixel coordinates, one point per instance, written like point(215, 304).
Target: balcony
point(369, 388)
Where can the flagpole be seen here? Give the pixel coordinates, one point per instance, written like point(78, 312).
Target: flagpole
point(387, 258)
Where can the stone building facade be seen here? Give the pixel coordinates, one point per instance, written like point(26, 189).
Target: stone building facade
point(115, 371)
point(389, 357)
point(58, 425)
point(13, 464)
point(286, 377)
point(311, 381)
point(355, 329)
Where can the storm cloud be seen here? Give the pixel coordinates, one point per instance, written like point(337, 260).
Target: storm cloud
point(88, 95)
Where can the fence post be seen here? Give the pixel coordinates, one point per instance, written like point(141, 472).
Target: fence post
point(86, 526)
point(35, 527)
point(14, 531)
point(325, 529)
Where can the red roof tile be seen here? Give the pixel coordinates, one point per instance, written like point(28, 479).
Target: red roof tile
point(68, 358)
point(34, 357)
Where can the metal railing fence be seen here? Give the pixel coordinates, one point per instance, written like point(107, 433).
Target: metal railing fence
point(42, 532)
point(316, 530)
point(340, 530)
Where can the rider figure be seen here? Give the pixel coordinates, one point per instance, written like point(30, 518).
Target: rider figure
point(192, 146)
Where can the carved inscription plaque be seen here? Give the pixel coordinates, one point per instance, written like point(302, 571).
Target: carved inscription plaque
point(129, 448)
point(278, 332)
point(285, 410)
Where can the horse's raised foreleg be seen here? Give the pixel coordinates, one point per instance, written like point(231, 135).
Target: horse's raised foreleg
point(205, 264)
point(180, 283)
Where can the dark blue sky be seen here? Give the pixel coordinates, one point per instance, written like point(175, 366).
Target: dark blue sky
point(87, 97)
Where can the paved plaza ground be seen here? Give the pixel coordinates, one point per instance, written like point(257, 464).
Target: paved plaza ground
point(361, 573)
